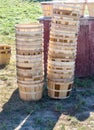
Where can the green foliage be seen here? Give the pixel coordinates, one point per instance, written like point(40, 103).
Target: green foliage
point(58, 107)
point(63, 127)
point(82, 82)
point(3, 126)
point(13, 12)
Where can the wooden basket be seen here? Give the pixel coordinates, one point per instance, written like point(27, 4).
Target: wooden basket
point(47, 8)
point(64, 58)
point(30, 92)
point(29, 52)
point(29, 80)
point(28, 41)
point(67, 10)
point(63, 39)
point(64, 50)
point(91, 9)
point(29, 61)
point(59, 44)
point(59, 90)
point(81, 6)
point(26, 30)
point(65, 22)
point(60, 70)
point(61, 76)
point(30, 87)
point(61, 65)
point(58, 27)
point(62, 33)
point(62, 47)
point(30, 47)
point(30, 72)
point(65, 55)
point(29, 36)
point(63, 36)
point(5, 53)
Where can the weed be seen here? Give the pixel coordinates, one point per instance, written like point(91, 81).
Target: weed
point(62, 127)
point(82, 128)
point(4, 78)
point(74, 121)
point(82, 82)
point(58, 107)
point(38, 121)
point(80, 102)
point(50, 123)
point(3, 126)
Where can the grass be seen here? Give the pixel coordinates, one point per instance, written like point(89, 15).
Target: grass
point(83, 83)
point(13, 12)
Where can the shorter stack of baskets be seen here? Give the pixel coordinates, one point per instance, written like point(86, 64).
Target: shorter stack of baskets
point(29, 60)
point(5, 53)
point(62, 50)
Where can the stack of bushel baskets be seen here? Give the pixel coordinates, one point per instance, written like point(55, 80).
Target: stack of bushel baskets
point(62, 50)
point(29, 61)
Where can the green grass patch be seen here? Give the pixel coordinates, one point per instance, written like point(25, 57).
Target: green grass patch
point(13, 12)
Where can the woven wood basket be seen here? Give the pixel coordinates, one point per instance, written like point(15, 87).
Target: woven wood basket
point(30, 80)
point(29, 61)
point(30, 92)
point(78, 4)
point(59, 90)
point(60, 71)
point(67, 28)
point(5, 53)
point(47, 8)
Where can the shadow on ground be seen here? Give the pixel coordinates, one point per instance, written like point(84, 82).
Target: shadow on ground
point(2, 66)
point(43, 114)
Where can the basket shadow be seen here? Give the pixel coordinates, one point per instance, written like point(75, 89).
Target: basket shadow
point(2, 66)
point(36, 115)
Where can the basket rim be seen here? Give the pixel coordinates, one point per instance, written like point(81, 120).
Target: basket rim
point(4, 45)
point(50, 2)
point(28, 25)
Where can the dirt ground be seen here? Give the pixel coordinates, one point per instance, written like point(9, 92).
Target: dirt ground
point(74, 113)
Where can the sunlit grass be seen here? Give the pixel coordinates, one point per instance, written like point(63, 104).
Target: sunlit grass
point(13, 12)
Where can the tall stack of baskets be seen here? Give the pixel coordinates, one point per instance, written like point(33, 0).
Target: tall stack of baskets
point(62, 50)
point(29, 60)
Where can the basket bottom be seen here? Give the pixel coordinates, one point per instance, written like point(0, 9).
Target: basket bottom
point(59, 90)
point(30, 97)
point(30, 92)
point(59, 95)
